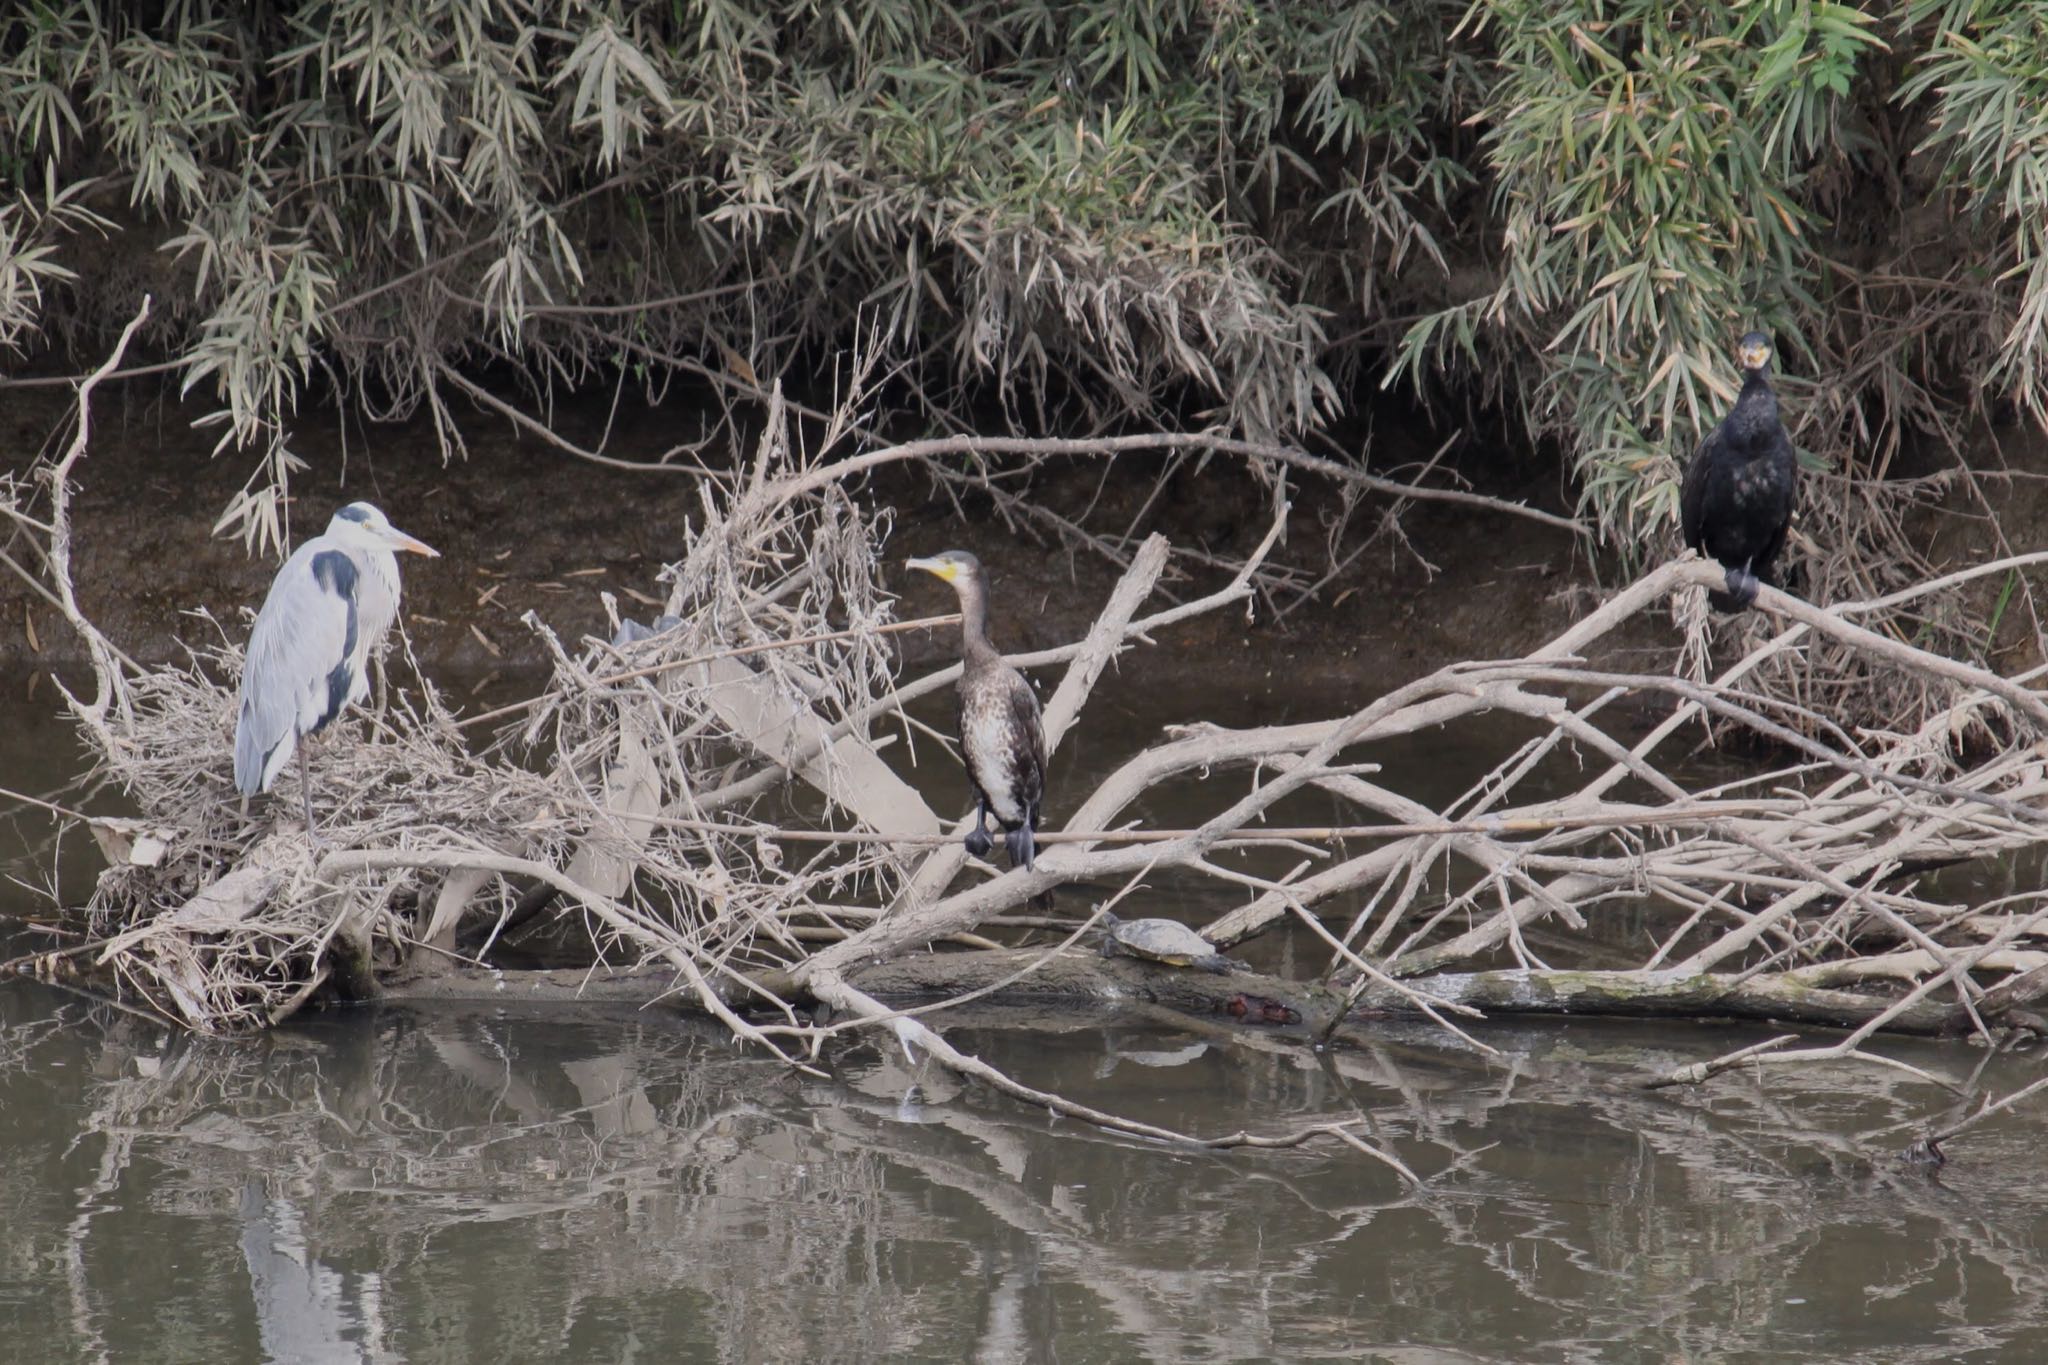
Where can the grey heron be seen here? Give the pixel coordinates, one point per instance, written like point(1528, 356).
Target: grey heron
point(1002, 737)
point(328, 610)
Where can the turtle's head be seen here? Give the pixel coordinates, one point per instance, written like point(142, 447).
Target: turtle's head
point(1754, 351)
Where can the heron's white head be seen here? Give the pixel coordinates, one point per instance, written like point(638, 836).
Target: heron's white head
point(362, 524)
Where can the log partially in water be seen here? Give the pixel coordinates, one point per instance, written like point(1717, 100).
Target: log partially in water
point(1667, 995)
point(1075, 978)
point(1078, 977)
point(1084, 979)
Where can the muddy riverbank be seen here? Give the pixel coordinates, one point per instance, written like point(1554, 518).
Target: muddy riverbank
point(523, 527)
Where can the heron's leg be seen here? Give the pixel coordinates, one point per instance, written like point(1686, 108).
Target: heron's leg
point(306, 790)
point(977, 841)
point(383, 687)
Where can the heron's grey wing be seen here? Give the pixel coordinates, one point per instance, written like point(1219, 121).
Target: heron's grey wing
point(296, 676)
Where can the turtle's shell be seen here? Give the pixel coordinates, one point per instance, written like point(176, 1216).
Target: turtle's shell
point(1160, 940)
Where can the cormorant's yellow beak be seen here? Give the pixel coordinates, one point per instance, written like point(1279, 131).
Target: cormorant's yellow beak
point(1754, 356)
point(938, 568)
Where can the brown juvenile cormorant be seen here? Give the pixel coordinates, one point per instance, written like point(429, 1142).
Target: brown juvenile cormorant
point(1002, 739)
point(1736, 501)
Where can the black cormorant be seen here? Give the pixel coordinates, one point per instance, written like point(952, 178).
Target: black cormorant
point(1736, 501)
point(1002, 738)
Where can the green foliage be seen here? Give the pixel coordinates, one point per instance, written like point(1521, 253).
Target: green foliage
point(1649, 162)
point(1224, 207)
point(1666, 176)
point(29, 229)
point(1985, 84)
point(1032, 199)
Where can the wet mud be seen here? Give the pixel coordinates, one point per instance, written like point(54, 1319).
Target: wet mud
point(523, 527)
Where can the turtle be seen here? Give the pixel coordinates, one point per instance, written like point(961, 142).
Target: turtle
point(1160, 940)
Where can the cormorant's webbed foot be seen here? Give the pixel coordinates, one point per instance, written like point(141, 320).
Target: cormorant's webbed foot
point(1742, 588)
point(978, 842)
point(1021, 845)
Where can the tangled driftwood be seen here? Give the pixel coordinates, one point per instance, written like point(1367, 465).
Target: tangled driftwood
point(716, 802)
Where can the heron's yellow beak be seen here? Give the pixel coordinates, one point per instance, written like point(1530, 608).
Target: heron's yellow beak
point(938, 568)
point(401, 541)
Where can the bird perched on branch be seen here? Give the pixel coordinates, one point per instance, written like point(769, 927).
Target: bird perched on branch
point(1736, 501)
point(1002, 738)
point(328, 610)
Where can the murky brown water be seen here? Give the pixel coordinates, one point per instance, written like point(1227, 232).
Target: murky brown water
point(453, 1185)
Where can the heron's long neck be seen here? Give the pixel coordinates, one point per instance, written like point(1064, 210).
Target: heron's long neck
point(378, 601)
point(973, 620)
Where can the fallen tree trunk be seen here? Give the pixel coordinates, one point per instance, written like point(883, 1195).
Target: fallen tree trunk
point(1665, 994)
point(1073, 978)
point(1086, 980)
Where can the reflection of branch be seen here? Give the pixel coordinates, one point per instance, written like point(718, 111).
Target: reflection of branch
point(1127, 1287)
point(834, 991)
point(1984, 1111)
point(1769, 1054)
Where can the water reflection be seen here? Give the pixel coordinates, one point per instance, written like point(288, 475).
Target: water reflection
point(428, 1186)
point(305, 1310)
point(593, 1184)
